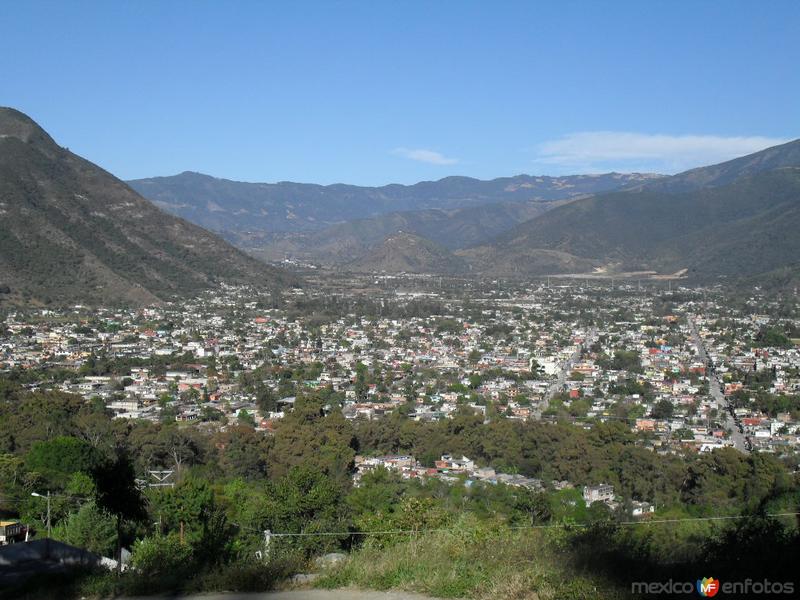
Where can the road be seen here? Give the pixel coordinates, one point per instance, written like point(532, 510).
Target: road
point(738, 438)
point(566, 369)
point(341, 594)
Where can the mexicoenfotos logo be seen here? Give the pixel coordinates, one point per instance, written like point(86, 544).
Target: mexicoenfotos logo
point(707, 587)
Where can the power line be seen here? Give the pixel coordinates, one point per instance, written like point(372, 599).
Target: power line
point(520, 527)
point(24, 496)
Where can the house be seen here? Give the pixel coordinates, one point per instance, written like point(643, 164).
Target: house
point(11, 532)
point(598, 493)
point(641, 509)
point(730, 388)
point(196, 383)
point(645, 425)
point(448, 463)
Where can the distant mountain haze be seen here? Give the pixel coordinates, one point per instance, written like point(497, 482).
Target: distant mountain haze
point(335, 224)
point(234, 206)
point(71, 232)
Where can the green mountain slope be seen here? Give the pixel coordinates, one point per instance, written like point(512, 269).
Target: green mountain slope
point(70, 231)
point(745, 228)
point(776, 157)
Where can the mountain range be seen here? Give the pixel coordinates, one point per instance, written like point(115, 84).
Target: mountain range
point(451, 228)
point(731, 220)
point(736, 219)
point(72, 232)
point(267, 216)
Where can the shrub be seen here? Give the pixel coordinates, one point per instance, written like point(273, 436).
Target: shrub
point(161, 555)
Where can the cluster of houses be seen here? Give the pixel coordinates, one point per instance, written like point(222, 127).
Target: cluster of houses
point(466, 472)
point(530, 355)
point(447, 468)
point(746, 370)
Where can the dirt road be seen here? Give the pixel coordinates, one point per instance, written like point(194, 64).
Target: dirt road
point(341, 594)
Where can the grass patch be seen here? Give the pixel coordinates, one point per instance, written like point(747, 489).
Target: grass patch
point(481, 560)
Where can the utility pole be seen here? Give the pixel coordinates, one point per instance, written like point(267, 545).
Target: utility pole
point(267, 543)
point(49, 529)
point(49, 523)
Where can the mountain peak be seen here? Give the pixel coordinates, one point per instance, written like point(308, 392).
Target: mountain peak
point(16, 124)
point(774, 157)
point(73, 232)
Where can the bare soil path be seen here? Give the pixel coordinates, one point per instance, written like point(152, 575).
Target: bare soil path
point(340, 594)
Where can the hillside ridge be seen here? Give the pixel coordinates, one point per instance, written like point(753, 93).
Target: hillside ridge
point(72, 232)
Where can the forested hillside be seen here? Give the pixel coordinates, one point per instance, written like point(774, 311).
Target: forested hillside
point(234, 484)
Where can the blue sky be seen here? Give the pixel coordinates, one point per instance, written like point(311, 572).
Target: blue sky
point(374, 92)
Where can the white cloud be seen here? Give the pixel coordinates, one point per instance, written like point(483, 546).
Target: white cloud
point(426, 156)
point(593, 151)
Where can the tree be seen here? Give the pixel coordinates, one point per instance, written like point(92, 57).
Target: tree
point(59, 458)
point(598, 512)
point(178, 446)
point(265, 399)
point(361, 381)
point(663, 409)
point(191, 511)
point(772, 337)
point(243, 452)
point(378, 492)
point(117, 494)
point(37, 416)
point(305, 500)
point(534, 505)
point(245, 418)
point(89, 528)
point(307, 437)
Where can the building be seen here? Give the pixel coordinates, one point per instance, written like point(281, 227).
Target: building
point(598, 493)
point(642, 509)
point(11, 532)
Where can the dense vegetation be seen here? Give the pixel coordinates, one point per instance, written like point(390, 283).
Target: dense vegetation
point(231, 486)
